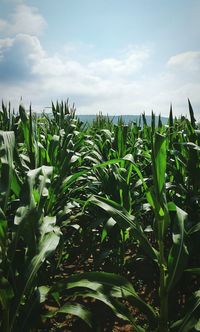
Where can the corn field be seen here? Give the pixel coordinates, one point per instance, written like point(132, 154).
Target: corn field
point(99, 224)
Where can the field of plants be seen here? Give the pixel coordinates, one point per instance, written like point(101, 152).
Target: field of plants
point(99, 223)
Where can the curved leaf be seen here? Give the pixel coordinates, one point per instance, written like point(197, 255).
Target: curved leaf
point(178, 255)
point(123, 218)
point(191, 318)
point(108, 285)
point(75, 309)
point(7, 143)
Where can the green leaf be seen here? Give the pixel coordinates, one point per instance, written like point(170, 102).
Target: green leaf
point(3, 239)
point(7, 143)
point(159, 161)
point(6, 293)
point(193, 270)
point(48, 243)
point(107, 286)
point(194, 229)
point(171, 121)
point(78, 310)
point(124, 219)
point(116, 306)
point(190, 321)
point(177, 259)
point(192, 118)
point(106, 229)
point(6, 296)
point(49, 240)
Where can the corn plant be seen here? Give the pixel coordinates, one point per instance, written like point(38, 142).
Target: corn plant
point(98, 193)
point(170, 260)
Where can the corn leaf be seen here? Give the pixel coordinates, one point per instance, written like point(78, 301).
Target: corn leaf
point(123, 218)
point(7, 142)
point(190, 322)
point(177, 259)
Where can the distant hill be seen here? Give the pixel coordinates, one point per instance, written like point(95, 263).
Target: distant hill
point(126, 118)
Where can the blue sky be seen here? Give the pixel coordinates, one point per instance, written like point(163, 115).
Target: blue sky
point(118, 57)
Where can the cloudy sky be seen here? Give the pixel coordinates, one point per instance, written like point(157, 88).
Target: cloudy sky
point(118, 57)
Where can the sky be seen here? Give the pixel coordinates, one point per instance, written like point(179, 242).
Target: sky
point(113, 56)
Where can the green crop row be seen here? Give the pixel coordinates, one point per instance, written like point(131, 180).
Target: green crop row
point(120, 201)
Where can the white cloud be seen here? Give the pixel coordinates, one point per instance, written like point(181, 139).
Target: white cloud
point(24, 19)
point(127, 65)
point(188, 61)
point(183, 76)
point(121, 84)
point(5, 43)
point(18, 56)
point(3, 25)
point(59, 76)
point(29, 71)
